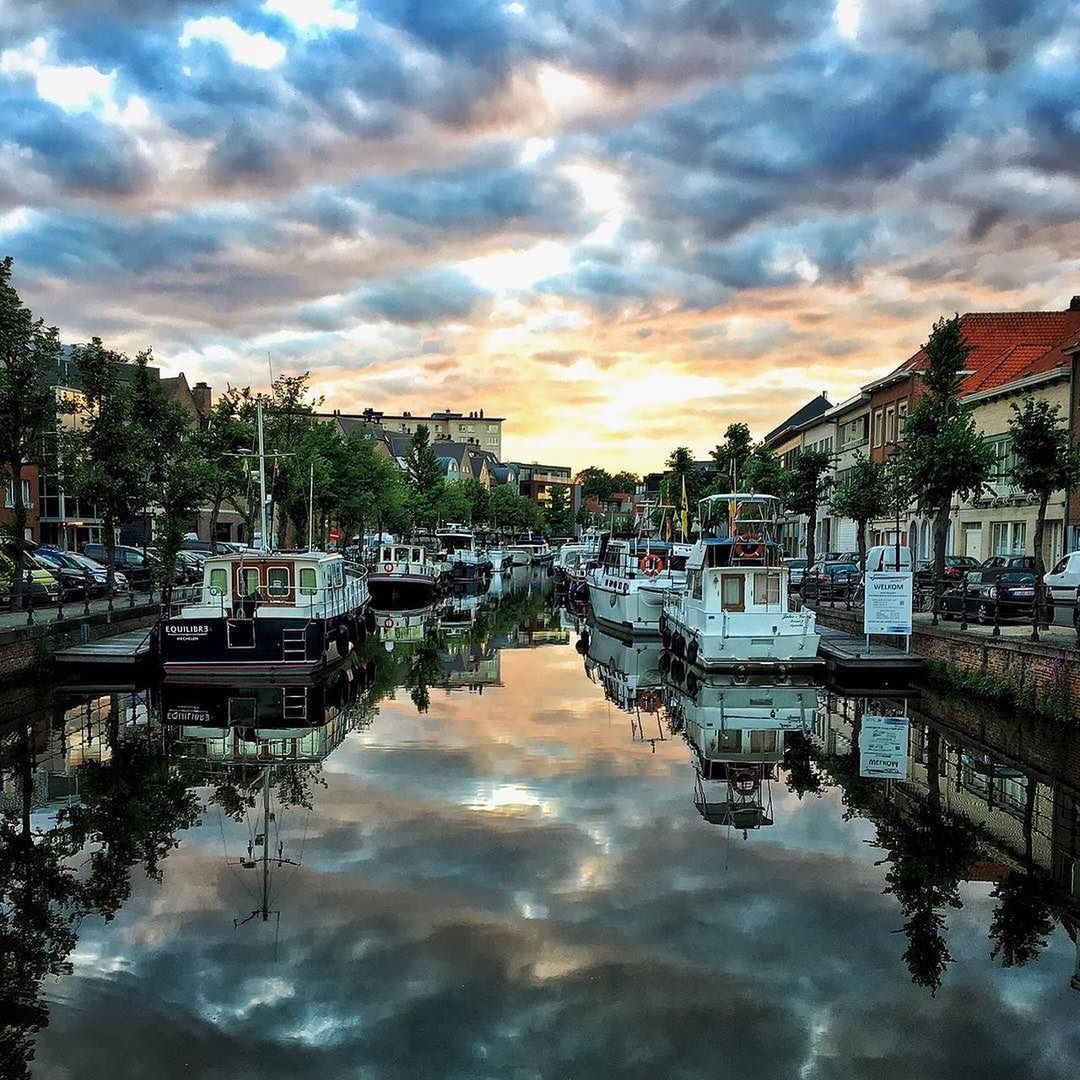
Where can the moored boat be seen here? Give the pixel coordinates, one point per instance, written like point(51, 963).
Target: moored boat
point(628, 586)
point(531, 549)
point(405, 577)
point(734, 609)
point(267, 613)
point(467, 561)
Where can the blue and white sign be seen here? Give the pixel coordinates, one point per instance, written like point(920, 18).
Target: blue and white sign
point(887, 604)
point(883, 747)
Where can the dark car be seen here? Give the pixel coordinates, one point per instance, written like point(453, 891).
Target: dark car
point(1004, 593)
point(1008, 562)
point(956, 566)
point(137, 567)
point(830, 580)
point(842, 556)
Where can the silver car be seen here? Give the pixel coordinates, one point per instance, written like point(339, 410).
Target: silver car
point(796, 569)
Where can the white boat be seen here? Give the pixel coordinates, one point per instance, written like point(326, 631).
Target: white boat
point(467, 561)
point(628, 671)
point(628, 586)
point(734, 609)
point(531, 550)
point(572, 560)
point(404, 578)
point(738, 731)
point(280, 612)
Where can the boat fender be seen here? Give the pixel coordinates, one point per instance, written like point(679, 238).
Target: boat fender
point(614, 597)
point(692, 684)
point(678, 645)
point(664, 662)
point(341, 636)
point(370, 621)
point(692, 651)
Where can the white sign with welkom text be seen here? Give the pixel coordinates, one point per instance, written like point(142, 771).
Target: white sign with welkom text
point(883, 747)
point(887, 603)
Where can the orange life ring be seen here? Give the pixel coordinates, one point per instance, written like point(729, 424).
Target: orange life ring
point(648, 701)
point(748, 547)
point(388, 623)
point(389, 567)
point(650, 565)
point(744, 781)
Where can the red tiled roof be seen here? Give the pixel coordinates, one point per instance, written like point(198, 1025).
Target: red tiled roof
point(1009, 346)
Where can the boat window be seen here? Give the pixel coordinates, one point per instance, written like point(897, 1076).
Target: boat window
point(766, 588)
point(219, 580)
point(762, 742)
point(277, 581)
point(248, 580)
point(417, 556)
point(695, 584)
point(307, 581)
point(729, 740)
point(732, 592)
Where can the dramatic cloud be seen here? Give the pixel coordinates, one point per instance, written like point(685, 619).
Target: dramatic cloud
point(632, 187)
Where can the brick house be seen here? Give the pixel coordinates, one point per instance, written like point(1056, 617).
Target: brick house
point(1013, 355)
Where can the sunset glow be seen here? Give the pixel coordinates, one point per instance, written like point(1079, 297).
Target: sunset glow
point(622, 227)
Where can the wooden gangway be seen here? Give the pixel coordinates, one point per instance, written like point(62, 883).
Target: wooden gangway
point(854, 665)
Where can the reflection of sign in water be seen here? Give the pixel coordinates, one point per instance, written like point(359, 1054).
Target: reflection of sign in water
point(192, 715)
point(887, 607)
point(883, 747)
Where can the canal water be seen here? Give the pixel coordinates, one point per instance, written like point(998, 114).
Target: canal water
point(488, 847)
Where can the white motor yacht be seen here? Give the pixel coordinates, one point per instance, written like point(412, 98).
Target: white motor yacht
point(629, 584)
point(734, 609)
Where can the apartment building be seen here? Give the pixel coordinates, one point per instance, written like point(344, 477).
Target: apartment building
point(471, 427)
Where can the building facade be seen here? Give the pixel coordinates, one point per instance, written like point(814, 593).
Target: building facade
point(475, 427)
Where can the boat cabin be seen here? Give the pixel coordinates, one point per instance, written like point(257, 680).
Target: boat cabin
point(241, 584)
point(455, 541)
point(393, 554)
point(639, 558)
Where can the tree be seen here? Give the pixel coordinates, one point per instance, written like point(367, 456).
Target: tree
point(112, 458)
point(424, 477)
point(27, 403)
point(596, 483)
point(1046, 459)
point(223, 441)
point(807, 488)
point(763, 474)
point(861, 496)
point(732, 454)
point(624, 481)
point(1021, 924)
point(477, 498)
point(942, 455)
point(557, 516)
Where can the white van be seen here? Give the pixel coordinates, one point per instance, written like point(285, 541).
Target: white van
point(883, 557)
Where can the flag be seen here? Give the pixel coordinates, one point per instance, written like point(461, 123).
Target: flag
point(682, 512)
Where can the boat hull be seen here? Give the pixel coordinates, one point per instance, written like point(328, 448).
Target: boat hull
point(629, 605)
point(727, 640)
point(262, 646)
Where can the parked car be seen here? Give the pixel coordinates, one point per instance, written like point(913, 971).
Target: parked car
point(1064, 579)
point(956, 566)
point(1010, 593)
point(1008, 562)
point(85, 568)
point(43, 587)
point(842, 556)
point(883, 557)
point(830, 580)
point(796, 569)
point(137, 568)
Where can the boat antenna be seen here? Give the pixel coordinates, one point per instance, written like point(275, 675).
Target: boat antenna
point(262, 474)
point(311, 507)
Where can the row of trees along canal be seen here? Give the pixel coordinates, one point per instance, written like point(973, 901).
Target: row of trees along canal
point(130, 451)
point(942, 458)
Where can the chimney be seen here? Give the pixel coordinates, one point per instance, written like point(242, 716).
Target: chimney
point(200, 394)
point(1074, 304)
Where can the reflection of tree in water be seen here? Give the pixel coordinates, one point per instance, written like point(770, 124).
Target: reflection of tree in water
point(236, 792)
point(802, 777)
point(1022, 923)
point(130, 812)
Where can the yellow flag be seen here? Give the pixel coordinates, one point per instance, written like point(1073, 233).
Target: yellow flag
point(683, 517)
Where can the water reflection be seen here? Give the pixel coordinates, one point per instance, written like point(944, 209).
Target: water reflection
point(480, 872)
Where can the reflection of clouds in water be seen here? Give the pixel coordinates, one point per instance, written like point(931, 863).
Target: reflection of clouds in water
point(444, 924)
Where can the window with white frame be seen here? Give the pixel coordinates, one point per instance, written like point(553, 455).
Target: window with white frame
point(878, 426)
point(1008, 537)
point(9, 493)
point(901, 417)
point(1004, 460)
point(890, 424)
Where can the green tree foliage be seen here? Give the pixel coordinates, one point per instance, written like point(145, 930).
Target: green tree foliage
point(596, 483)
point(509, 510)
point(27, 403)
point(808, 487)
point(1046, 459)
point(942, 455)
point(112, 451)
point(424, 477)
point(861, 496)
point(731, 456)
point(763, 474)
point(558, 520)
point(226, 445)
point(1021, 924)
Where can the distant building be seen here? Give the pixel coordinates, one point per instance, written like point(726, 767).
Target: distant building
point(536, 481)
point(475, 427)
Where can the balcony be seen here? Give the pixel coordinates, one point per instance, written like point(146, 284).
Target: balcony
point(1003, 493)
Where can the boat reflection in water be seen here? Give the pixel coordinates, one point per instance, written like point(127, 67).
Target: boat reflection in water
point(739, 730)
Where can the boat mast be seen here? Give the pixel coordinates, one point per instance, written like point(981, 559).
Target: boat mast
point(262, 476)
point(311, 506)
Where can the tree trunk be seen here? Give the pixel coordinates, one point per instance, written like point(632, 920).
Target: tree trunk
point(860, 541)
point(108, 538)
point(811, 538)
point(18, 529)
point(941, 536)
point(1040, 527)
point(933, 770)
point(215, 513)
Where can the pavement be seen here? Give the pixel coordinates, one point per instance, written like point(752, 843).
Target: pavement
point(75, 609)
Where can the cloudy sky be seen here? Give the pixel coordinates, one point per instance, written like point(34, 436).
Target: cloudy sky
point(623, 224)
